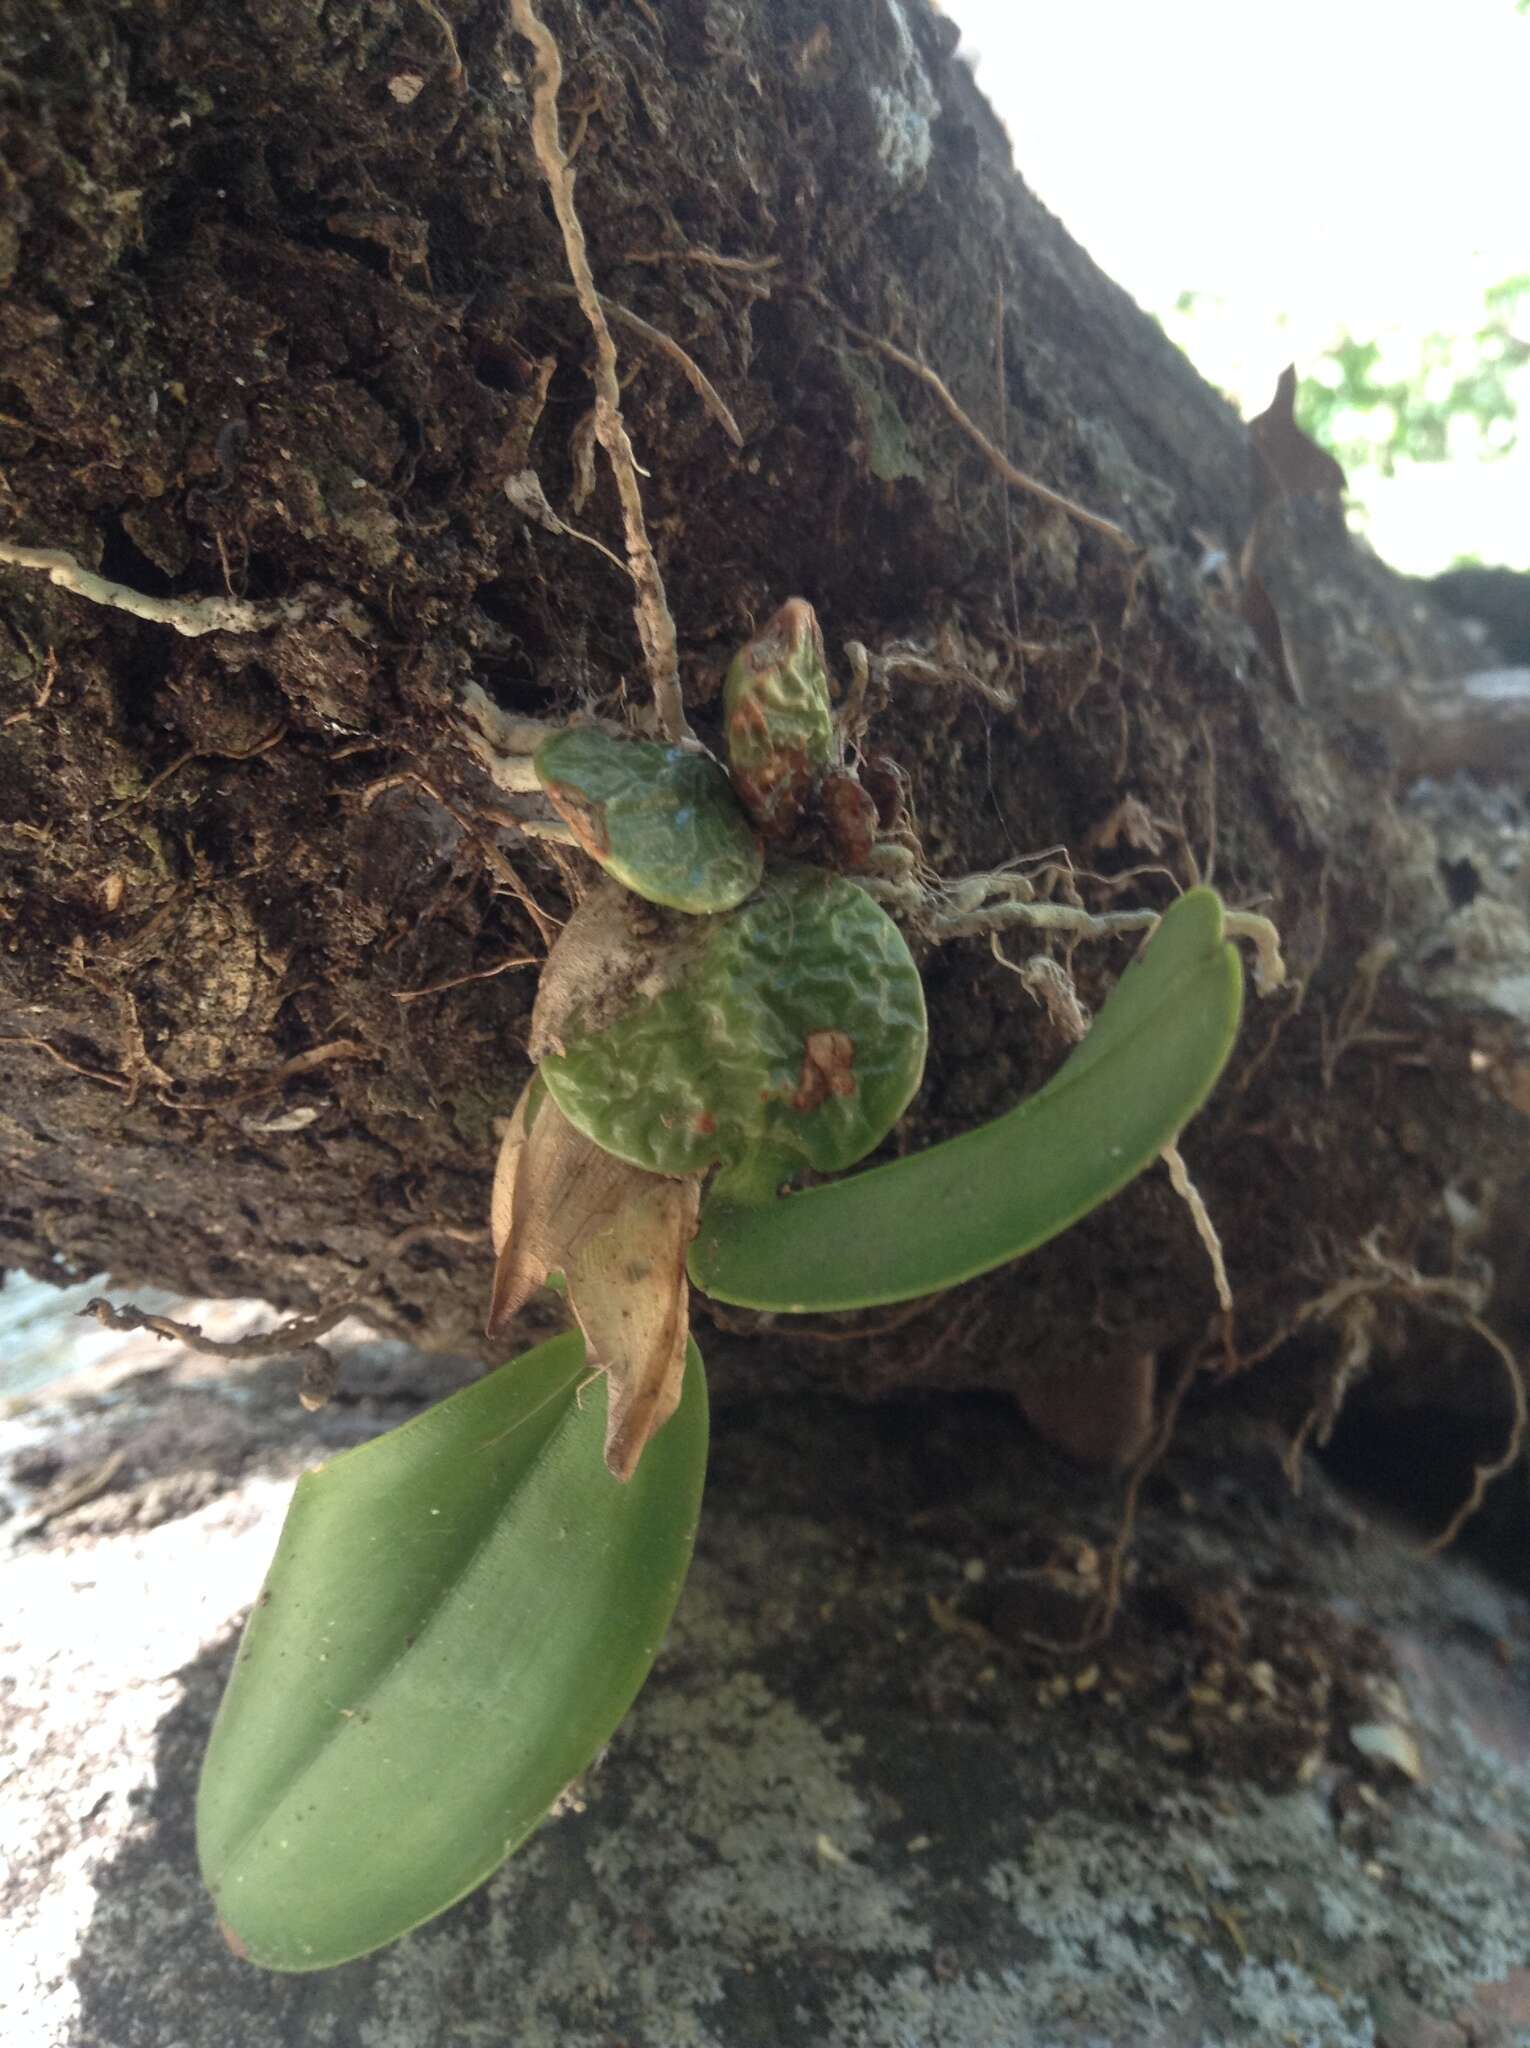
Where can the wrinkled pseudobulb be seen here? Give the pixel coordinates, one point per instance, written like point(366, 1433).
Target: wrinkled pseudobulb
point(787, 1033)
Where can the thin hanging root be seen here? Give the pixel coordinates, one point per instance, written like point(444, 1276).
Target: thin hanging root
point(1450, 1301)
point(488, 853)
point(299, 1334)
point(272, 739)
point(1359, 1001)
point(1358, 1324)
point(691, 370)
point(656, 628)
point(1052, 986)
point(436, 988)
point(1200, 1216)
point(38, 703)
point(686, 364)
point(1514, 1439)
point(999, 461)
point(969, 911)
point(1108, 1604)
point(1119, 1550)
point(35, 1044)
point(917, 668)
point(456, 74)
point(745, 266)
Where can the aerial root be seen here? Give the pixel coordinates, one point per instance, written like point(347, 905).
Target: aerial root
point(996, 459)
point(299, 1335)
point(1350, 1305)
point(191, 616)
point(1003, 898)
point(1200, 1216)
point(656, 627)
point(711, 398)
point(1357, 1331)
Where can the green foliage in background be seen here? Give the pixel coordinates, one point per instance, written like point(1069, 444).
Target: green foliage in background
point(1389, 403)
point(1449, 397)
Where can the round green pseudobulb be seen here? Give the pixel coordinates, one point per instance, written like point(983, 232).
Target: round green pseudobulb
point(663, 821)
point(789, 1033)
point(776, 716)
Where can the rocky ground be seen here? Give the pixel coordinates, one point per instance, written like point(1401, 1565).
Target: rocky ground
point(1286, 1800)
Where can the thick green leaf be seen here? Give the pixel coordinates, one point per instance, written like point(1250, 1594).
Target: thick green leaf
point(458, 1617)
point(961, 1208)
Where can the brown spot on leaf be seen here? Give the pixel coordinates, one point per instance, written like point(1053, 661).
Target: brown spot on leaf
point(748, 720)
point(828, 1068)
point(772, 791)
point(232, 1941)
point(586, 820)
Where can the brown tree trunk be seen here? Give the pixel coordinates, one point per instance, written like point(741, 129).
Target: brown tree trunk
point(286, 318)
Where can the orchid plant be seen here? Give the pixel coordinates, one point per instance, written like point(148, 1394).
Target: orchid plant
point(460, 1613)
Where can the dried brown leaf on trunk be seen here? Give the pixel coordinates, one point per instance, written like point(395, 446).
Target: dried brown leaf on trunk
point(619, 1235)
point(1287, 462)
point(1263, 621)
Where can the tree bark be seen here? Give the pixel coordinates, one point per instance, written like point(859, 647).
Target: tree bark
point(287, 319)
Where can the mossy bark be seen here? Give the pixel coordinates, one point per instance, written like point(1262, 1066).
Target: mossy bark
point(285, 313)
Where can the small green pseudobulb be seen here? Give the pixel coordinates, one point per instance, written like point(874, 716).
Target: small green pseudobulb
point(662, 820)
point(789, 1033)
point(776, 716)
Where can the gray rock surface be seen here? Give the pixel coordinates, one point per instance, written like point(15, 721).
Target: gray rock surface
point(857, 1805)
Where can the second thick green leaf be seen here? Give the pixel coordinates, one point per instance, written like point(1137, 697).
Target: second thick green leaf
point(961, 1208)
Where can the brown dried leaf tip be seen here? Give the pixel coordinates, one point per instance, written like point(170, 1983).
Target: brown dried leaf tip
point(619, 1235)
point(1288, 463)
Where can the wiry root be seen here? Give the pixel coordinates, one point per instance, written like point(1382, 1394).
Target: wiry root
point(1007, 898)
point(1350, 1306)
point(1200, 1216)
point(656, 628)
